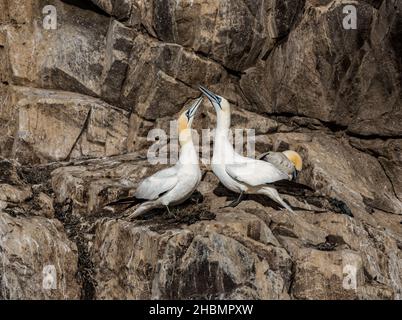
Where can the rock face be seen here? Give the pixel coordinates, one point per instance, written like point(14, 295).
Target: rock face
point(350, 79)
point(38, 261)
point(36, 117)
point(76, 106)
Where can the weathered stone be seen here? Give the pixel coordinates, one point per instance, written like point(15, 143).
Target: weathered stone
point(160, 78)
point(393, 170)
point(378, 251)
point(52, 125)
point(320, 275)
point(4, 60)
point(8, 120)
point(337, 170)
point(323, 71)
point(87, 53)
point(96, 183)
point(232, 32)
point(13, 194)
point(8, 172)
point(37, 260)
point(118, 48)
point(121, 9)
point(333, 168)
point(221, 263)
point(44, 205)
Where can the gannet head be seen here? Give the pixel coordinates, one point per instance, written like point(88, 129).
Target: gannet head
point(296, 159)
point(186, 120)
point(220, 104)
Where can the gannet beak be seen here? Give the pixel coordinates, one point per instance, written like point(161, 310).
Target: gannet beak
point(193, 109)
point(211, 96)
point(294, 175)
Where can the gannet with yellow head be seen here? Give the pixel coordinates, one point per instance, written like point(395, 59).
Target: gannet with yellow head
point(287, 161)
point(176, 184)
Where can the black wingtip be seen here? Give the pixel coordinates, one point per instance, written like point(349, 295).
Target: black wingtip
point(123, 201)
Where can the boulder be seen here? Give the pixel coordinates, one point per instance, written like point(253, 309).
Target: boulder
point(46, 125)
point(37, 260)
point(335, 75)
point(228, 264)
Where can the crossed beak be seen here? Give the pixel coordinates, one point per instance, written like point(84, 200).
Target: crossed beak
point(210, 95)
point(193, 109)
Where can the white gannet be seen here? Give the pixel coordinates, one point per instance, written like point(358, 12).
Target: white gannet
point(176, 184)
point(246, 175)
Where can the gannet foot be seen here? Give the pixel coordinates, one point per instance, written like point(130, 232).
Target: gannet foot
point(233, 204)
point(171, 214)
point(236, 202)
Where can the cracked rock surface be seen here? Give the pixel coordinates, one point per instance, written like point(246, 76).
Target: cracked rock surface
point(76, 106)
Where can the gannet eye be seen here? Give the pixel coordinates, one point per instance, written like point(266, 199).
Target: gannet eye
point(188, 114)
point(219, 100)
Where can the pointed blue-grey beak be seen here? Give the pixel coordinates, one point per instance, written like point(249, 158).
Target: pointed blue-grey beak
point(211, 96)
point(193, 109)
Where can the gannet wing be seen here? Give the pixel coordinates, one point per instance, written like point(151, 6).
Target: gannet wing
point(165, 173)
point(160, 182)
point(255, 172)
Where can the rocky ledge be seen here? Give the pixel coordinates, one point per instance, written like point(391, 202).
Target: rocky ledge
point(76, 105)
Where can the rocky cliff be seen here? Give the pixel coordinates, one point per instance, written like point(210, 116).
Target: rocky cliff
point(77, 102)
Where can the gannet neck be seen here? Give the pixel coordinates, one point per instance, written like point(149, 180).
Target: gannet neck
point(223, 121)
point(188, 154)
point(185, 136)
point(223, 148)
point(222, 131)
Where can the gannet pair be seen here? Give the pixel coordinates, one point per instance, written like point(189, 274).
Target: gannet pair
point(239, 174)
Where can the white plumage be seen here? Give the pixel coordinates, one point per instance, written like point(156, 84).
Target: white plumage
point(255, 172)
point(162, 181)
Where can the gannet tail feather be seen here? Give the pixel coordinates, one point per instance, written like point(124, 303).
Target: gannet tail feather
point(274, 195)
point(144, 208)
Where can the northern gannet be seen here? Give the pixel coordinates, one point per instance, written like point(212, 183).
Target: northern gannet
point(246, 175)
point(176, 184)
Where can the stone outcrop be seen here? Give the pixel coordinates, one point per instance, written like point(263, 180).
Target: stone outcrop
point(34, 118)
point(350, 79)
point(77, 103)
point(38, 261)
